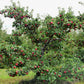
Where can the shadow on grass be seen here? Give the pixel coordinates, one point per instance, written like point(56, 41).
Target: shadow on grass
point(33, 82)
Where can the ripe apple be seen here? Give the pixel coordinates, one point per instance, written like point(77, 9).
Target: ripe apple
point(26, 72)
point(59, 33)
point(35, 48)
point(60, 15)
point(65, 77)
point(21, 50)
point(16, 64)
point(16, 72)
point(14, 67)
point(47, 70)
point(21, 62)
point(64, 71)
point(23, 54)
point(80, 25)
point(61, 19)
point(55, 73)
point(51, 22)
point(68, 24)
point(32, 52)
point(59, 75)
point(25, 25)
point(79, 68)
point(35, 66)
point(71, 21)
point(41, 62)
point(58, 22)
point(38, 66)
point(54, 33)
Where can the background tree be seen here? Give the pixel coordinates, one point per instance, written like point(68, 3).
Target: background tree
point(1, 24)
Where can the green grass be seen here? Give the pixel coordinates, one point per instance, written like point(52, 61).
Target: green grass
point(6, 79)
point(81, 82)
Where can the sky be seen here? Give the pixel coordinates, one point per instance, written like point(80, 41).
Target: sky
point(41, 7)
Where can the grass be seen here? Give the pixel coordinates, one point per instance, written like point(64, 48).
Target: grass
point(6, 79)
point(80, 83)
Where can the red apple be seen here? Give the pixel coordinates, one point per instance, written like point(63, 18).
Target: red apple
point(58, 22)
point(11, 47)
point(61, 19)
point(55, 73)
point(23, 54)
point(38, 66)
point(80, 25)
point(60, 15)
point(32, 52)
point(25, 25)
point(51, 22)
point(16, 72)
point(42, 62)
point(21, 50)
point(65, 77)
point(35, 66)
point(14, 67)
point(54, 33)
point(79, 68)
point(47, 70)
point(68, 24)
point(59, 75)
point(64, 71)
point(16, 64)
point(71, 21)
point(26, 72)
point(35, 48)
point(59, 33)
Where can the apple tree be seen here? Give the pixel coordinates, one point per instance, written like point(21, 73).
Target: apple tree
point(46, 57)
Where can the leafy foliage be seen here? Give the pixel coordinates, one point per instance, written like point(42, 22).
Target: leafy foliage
point(46, 47)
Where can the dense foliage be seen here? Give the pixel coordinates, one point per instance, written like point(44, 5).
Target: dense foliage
point(49, 47)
